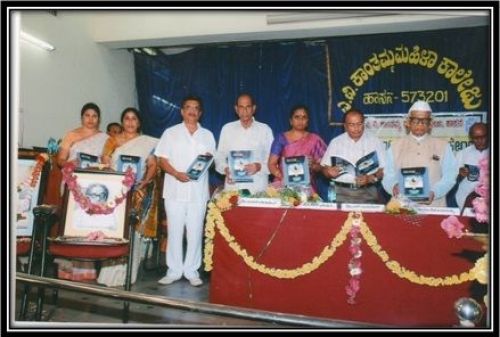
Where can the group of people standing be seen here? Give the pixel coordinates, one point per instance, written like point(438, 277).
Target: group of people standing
point(185, 199)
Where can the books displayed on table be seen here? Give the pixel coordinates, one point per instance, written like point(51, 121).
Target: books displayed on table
point(127, 161)
point(473, 172)
point(368, 164)
point(237, 161)
point(296, 171)
point(87, 160)
point(414, 183)
point(199, 166)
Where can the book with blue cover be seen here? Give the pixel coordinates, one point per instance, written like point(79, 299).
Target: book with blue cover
point(87, 160)
point(237, 161)
point(296, 171)
point(199, 166)
point(127, 161)
point(368, 164)
point(414, 183)
point(473, 172)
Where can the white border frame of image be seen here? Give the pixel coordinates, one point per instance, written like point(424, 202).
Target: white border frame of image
point(114, 184)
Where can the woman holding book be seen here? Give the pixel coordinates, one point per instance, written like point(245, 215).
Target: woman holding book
point(296, 142)
point(85, 141)
point(131, 149)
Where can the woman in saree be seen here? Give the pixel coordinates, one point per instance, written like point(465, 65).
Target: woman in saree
point(296, 142)
point(132, 144)
point(85, 139)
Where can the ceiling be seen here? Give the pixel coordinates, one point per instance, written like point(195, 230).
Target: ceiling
point(166, 29)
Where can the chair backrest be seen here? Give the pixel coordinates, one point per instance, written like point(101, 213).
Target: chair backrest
point(95, 203)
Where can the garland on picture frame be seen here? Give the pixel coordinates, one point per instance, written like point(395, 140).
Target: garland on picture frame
point(84, 202)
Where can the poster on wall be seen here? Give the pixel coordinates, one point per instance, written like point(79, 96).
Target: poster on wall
point(451, 126)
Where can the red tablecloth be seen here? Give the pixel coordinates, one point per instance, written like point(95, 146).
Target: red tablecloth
point(301, 234)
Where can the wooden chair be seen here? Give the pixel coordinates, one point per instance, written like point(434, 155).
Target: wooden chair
point(72, 243)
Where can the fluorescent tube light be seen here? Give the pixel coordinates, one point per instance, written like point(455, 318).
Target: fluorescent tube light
point(36, 42)
point(150, 51)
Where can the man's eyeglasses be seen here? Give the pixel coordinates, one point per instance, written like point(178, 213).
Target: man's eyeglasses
point(420, 121)
point(352, 125)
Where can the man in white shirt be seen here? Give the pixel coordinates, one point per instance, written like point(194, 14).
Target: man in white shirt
point(419, 149)
point(351, 146)
point(185, 199)
point(468, 160)
point(245, 134)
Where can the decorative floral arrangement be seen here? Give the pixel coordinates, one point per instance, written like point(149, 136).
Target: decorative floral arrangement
point(353, 227)
point(225, 201)
point(289, 196)
point(84, 202)
point(451, 225)
point(354, 265)
point(399, 206)
point(32, 178)
point(26, 186)
point(454, 228)
point(481, 203)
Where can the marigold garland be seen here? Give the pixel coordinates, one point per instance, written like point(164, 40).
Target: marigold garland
point(32, 178)
point(396, 268)
point(215, 220)
point(84, 202)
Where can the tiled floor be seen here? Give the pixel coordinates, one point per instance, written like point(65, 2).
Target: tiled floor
point(83, 310)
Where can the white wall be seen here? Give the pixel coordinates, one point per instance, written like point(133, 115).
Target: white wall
point(55, 85)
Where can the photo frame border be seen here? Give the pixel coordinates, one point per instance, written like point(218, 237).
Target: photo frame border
point(67, 227)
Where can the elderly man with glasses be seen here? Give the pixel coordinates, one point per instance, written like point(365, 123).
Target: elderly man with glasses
point(355, 162)
point(430, 158)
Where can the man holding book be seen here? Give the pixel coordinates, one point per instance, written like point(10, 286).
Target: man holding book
point(355, 160)
point(243, 150)
point(420, 155)
point(185, 198)
point(468, 162)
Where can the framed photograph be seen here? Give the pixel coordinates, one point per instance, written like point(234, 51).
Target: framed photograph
point(30, 189)
point(100, 187)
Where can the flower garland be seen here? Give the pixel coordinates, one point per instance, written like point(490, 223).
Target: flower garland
point(84, 202)
point(481, 203)
point(215, 220)
point(26, 187)
point(353, 226)
point(354, 265)
point(32, 178)
point(402, 272)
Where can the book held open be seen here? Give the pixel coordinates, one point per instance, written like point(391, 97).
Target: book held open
point(368, 164)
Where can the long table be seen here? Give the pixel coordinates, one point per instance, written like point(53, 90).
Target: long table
point(287, 238)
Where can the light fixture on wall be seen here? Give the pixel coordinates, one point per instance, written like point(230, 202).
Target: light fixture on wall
point(150, 51)
point(36, 41)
